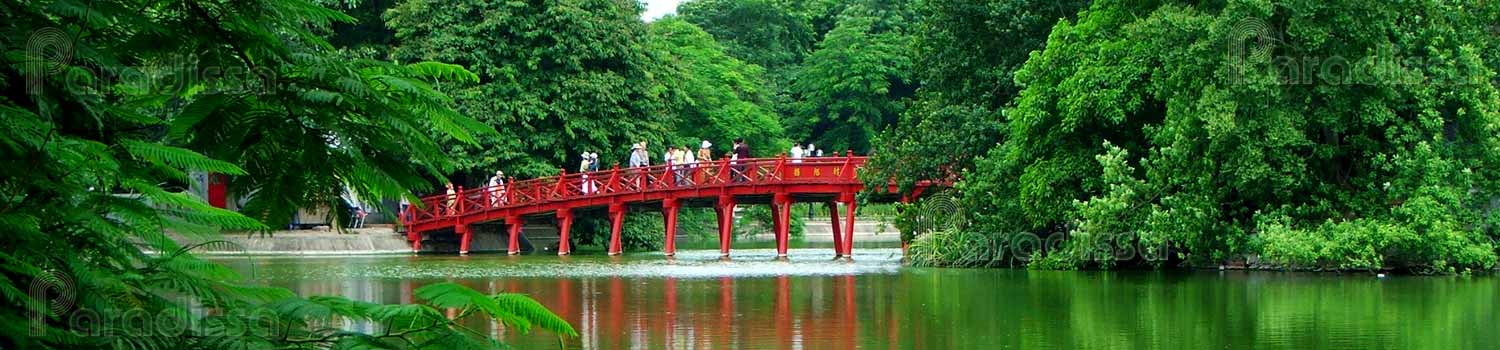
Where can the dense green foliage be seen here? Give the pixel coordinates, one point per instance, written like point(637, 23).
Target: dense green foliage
point(858, 80)
point(109, 105)
point(968, 51)
point(839, 71)
point(721, 97)
point(1315, 143)
point(556, 78)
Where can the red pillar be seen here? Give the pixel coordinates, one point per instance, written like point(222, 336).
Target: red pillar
point(564, 228)
point(782, 205)
point(669, 211)
point(515, 223)
point(725, 212)
point(838, 238)
point(616, 221)
point(465, 234)
point(849, 206)
point(416, 240)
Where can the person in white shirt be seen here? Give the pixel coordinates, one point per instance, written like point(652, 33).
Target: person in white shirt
point(497, 188)
point(796, 153)
point(583, 169)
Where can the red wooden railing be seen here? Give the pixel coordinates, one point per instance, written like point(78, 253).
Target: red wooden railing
point(617, 181)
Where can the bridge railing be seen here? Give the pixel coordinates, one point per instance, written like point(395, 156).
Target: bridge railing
point(617, 181)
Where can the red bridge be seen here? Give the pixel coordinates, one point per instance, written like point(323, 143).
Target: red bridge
point(721, 184)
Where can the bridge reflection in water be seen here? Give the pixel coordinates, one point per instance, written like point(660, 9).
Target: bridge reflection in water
point(810, 302)
point(717, 313)
point(692, 303)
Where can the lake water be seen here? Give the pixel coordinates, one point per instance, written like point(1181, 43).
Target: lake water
point(695, 301)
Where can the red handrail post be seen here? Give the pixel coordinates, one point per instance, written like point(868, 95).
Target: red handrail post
point(667, 174)
point(461, 198)
point(561, 190)
point(724, 171)
point(848, 169)
point(779, 172)
point(614, 180)
point(509, 190)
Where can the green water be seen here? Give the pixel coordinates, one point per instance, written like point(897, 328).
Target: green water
point(647, 301)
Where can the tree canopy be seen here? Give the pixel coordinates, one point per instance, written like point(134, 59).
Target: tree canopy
point(1313, 143)
point(109, 106)
point(556, 79)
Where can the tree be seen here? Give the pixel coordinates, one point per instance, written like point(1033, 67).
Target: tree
point(105, 116)
point(775, 34)
point(557, 78)
point(724, 98)
point(1314, 144)
point(968, 53)
point(856, 83)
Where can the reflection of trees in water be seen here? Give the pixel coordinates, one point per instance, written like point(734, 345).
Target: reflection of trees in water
point(983, 309)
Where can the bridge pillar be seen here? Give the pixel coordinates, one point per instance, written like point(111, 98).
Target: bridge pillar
point(564, 227)
point(616, 220)
point(465, 234)
point(781, 206)
point(849, 207)
point(669, 208)
point(724, 210)
point(514, 223)
point(415, 238)
point(838, 238)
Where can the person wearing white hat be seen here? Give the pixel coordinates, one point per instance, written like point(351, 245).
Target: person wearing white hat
point(706, 152)
point(638, 156)
point(497, 188)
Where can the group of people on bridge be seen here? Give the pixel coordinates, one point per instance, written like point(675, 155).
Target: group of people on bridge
point(681, 160)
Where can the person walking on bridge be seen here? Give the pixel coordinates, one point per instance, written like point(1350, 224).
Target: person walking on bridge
point(741, 155)
point(796, 153)
point(706, 155)
point(689, 162)
point(679, 164)
point(450, 204)
point(496, 189)
point(583, 171)
point(638, 156)
point(705, 151)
